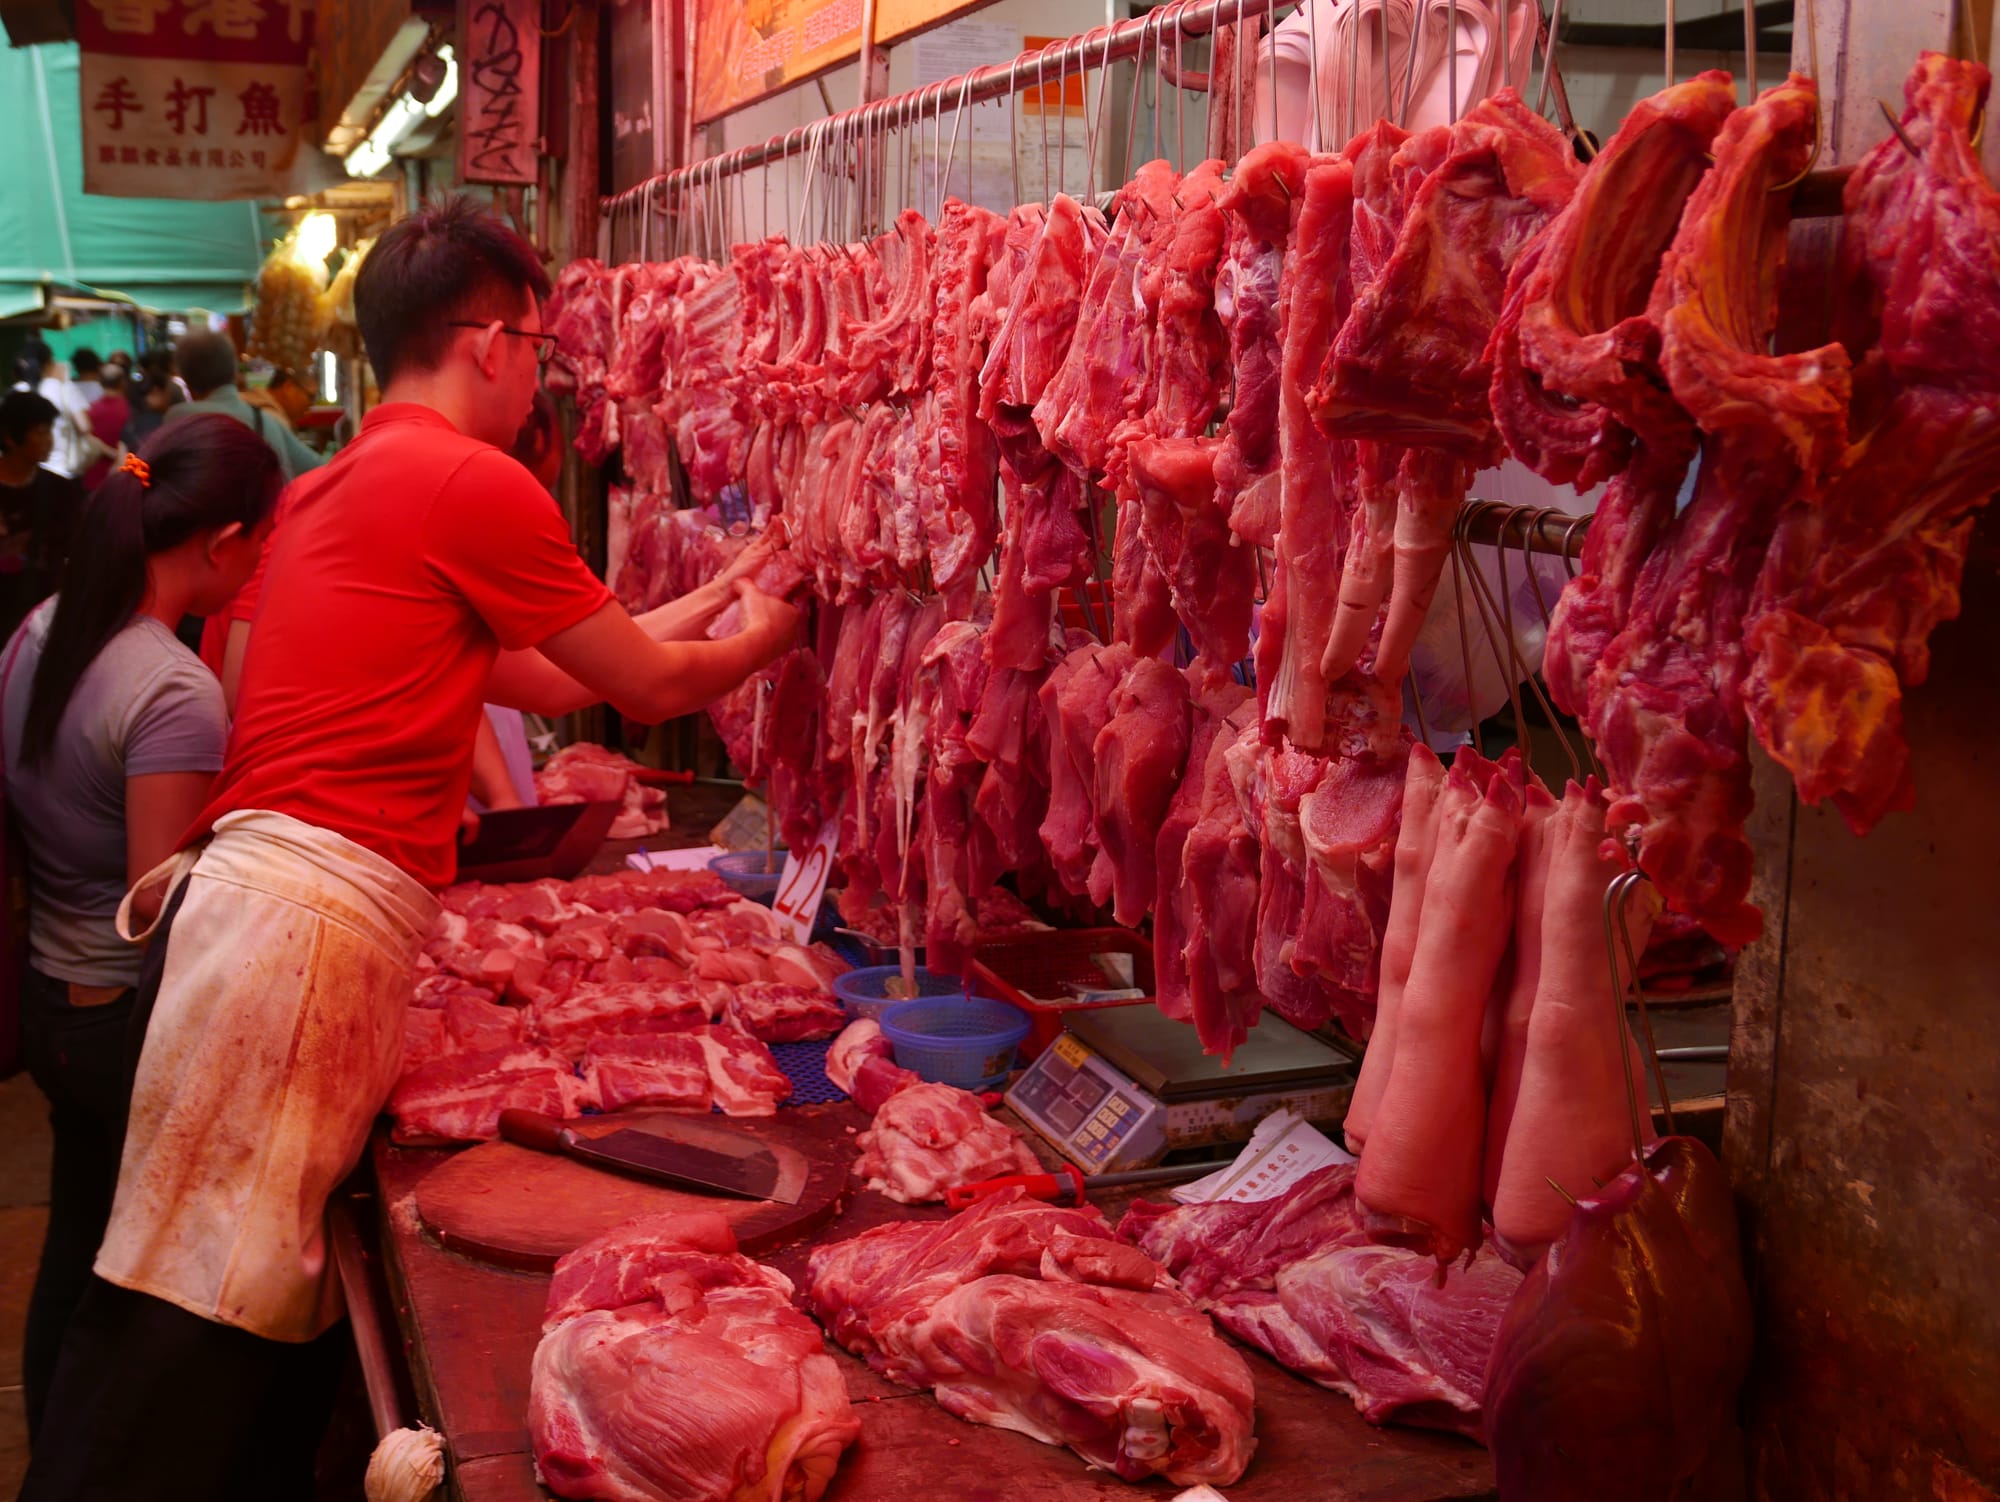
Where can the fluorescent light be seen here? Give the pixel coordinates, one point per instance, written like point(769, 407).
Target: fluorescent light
point(329, 377)
point(448, 90)
point(373, 154)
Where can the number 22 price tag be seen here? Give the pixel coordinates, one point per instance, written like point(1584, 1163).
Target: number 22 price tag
point(803, 883)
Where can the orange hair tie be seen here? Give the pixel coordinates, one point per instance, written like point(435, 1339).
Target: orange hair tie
point(134, 465)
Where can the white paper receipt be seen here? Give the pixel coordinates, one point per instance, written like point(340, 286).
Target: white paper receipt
point(1283, 1150)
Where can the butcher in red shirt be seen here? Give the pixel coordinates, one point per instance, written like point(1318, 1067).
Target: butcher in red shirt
point(421, 574)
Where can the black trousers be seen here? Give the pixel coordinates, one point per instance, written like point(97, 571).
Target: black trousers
point(153, 1404)
point(80, 1059)
point(150, 1403)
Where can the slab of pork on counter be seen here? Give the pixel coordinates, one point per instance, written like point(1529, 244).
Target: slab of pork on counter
point(673, 1369)
point(637, 989)
point(1298, 1277)
point(925, 1137)
point(1033, 1318)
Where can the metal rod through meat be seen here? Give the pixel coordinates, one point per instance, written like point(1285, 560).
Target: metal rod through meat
point(1749, 51)
point(1451, 48)
point(1614, 925)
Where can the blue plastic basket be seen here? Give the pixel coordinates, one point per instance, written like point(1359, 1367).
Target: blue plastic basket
point(861, 992)
point(968, 1041)
point(750, 873)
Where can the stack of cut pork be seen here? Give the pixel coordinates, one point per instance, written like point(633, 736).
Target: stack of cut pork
point(939, 415)
point(644, 988)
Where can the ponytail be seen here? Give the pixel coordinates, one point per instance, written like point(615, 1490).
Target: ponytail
point(200, 473)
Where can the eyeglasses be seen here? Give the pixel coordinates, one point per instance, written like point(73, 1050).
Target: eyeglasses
point(545, 344)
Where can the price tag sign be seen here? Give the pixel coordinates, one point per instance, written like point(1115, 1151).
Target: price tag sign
point(803, 884)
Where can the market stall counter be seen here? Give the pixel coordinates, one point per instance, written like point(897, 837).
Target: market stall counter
point(470, 1331)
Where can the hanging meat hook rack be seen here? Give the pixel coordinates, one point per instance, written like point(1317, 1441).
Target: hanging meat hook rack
point(1098, 48)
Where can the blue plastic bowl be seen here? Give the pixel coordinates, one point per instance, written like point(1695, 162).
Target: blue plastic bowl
point(750, 873)
point(968, 1041)
point(862, 992)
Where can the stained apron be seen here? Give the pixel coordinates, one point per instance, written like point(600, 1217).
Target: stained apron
point(276, 1037)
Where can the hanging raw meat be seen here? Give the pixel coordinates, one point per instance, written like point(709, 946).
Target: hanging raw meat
point(1664, 703)
point(1077, 702)
point(1315, 474)
point(1258, 207)
point(1416, 844)
point(1033, 1318)
point(1385, 175)
point(1034, 293)
point(960, 522)
point(1856, 579)
point(1108, 376)
point(1211, 575)
point(1575, 359)
point(1569, 1123)
point(1175, 906)
point(1617, 1364)
point(1139, 757)
point(674, 1369)
point(1221, 860)
point(1420, 1173)
point(1409, 363)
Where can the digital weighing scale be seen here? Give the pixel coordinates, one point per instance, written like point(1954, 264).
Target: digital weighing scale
point(1124, 1086)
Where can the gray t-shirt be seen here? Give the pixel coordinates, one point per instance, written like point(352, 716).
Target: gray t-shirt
point(145, 705)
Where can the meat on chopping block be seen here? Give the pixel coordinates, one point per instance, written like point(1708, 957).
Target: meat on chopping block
point(1297, 1277)
point(927, 1137)
point(1032, 1318)
point(674, 1369)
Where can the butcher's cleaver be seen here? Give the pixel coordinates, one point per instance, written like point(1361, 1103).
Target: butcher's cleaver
point(753, 1176)
point(527, 844)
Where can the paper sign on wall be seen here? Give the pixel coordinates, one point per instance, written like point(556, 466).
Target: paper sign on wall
point(193, 98)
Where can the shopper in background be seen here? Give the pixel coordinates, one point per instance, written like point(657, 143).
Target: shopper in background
point(109, 415)
point(157, 392)
point(38, 507)
point(207, 362)
point(78, 447)
point(113, 734)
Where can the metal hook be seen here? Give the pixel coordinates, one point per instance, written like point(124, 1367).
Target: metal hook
point(1615, 894)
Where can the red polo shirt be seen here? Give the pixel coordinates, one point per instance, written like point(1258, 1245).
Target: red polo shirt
point(394, 577)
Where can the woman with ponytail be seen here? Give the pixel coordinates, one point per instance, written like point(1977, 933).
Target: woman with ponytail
point(113, 733)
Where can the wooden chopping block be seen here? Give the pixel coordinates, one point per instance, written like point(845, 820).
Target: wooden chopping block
point(519, 1208)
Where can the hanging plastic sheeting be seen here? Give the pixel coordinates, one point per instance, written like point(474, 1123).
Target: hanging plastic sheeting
point(1462, 631)
point(1357, 86)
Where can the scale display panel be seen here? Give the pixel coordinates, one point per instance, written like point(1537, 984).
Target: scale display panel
point(1127, 1085)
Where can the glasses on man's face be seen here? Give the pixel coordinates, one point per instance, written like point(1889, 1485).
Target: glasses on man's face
point(545, 344)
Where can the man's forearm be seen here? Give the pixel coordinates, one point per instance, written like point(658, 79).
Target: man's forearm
point(685, 619)
point(692, 675)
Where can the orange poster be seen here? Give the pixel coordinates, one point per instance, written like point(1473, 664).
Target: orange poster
point(746, 49)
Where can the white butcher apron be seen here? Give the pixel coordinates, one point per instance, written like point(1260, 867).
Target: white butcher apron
point(275, 1039)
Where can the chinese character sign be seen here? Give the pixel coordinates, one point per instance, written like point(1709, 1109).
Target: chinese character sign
point(500, 91)
point(194, 98)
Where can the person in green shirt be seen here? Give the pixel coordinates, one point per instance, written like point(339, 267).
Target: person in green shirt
point(207, 363)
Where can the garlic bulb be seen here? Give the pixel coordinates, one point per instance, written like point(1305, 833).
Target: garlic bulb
point(408, 1466)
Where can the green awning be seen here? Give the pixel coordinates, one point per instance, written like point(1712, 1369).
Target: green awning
point(173, 255)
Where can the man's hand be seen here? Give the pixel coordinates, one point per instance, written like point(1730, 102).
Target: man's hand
point(747, 562)
point(766, 617)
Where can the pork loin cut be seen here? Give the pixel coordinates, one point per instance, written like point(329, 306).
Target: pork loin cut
point(674, 1369)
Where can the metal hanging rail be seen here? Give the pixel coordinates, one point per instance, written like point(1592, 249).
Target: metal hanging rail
point(1096, 48)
